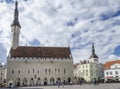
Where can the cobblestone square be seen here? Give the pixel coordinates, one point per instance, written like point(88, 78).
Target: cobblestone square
point(84, 86)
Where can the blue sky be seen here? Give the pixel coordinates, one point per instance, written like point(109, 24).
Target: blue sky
point(77, 23)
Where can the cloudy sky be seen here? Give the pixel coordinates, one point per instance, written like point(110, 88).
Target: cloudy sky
point(77, 23)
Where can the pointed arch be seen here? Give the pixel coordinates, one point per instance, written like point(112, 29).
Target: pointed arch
point(38, 81)
point(24, 82)
point(45, 81)
point(69, 80)
point(51, 81)
point(31, 82)
point(17, 82)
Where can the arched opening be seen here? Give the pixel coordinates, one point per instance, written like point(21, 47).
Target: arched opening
point(69, 80)
point(45, 81)
point(17, 82)
point(51, 81)
point(75, 81)
point(24, 82)
point(38, 81)
point(31, 82)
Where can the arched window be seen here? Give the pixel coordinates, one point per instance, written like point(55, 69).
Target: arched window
point(64, 71)
point(12, 71)
point(55, 71)
point(38, 71)
point(33, 70)
point(28, 71)
point(49, 71)
point(58, 71)
point(18, 71)
point(45, 71)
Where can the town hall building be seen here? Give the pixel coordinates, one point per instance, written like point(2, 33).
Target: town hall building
point(29, 65)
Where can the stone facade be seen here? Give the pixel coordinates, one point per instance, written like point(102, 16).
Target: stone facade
point(37, 71)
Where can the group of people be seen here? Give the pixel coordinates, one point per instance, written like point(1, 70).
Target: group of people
point(62, 83)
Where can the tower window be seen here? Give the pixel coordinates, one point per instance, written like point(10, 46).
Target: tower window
point(12, 71)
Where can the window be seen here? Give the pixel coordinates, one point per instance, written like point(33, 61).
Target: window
point(12, 71)
point(58, 71)
point(18, 71)
point(86, 74)
point(107, 73)
point(28, 71)
point(45, 71)
point(55, 71)
point(33, 70)
point(1, 73)
point(38, 71)
point(91, 74)
point(64, 71)
point(83, 66)
point(116, 72)
point(110, 72)
point(116, 66)
point(49, 71)
point(86, 66)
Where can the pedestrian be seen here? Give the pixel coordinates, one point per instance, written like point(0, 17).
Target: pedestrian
point(58, 83)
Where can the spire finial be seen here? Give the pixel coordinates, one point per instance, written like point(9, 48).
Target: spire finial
point(16, 4)
point(16, 14)
point(93, 49)
point(93, 55)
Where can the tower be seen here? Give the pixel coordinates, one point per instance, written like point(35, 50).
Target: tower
point(93, 57)
point(15, 28)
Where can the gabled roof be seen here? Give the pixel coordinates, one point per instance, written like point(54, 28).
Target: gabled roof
point(109, 63)
point(41, 52)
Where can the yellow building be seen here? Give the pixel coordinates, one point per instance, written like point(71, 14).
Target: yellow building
point(88, 71)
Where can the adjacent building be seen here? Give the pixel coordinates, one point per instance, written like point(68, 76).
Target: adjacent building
point(28, 65)
point(90, 69)
point(112, 71)
point(3, 70)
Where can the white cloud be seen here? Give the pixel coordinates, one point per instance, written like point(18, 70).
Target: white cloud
point(113, 57)
point(47, 21)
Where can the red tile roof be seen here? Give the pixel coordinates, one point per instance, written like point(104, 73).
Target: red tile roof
point(109, 63)
point(41, 52)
